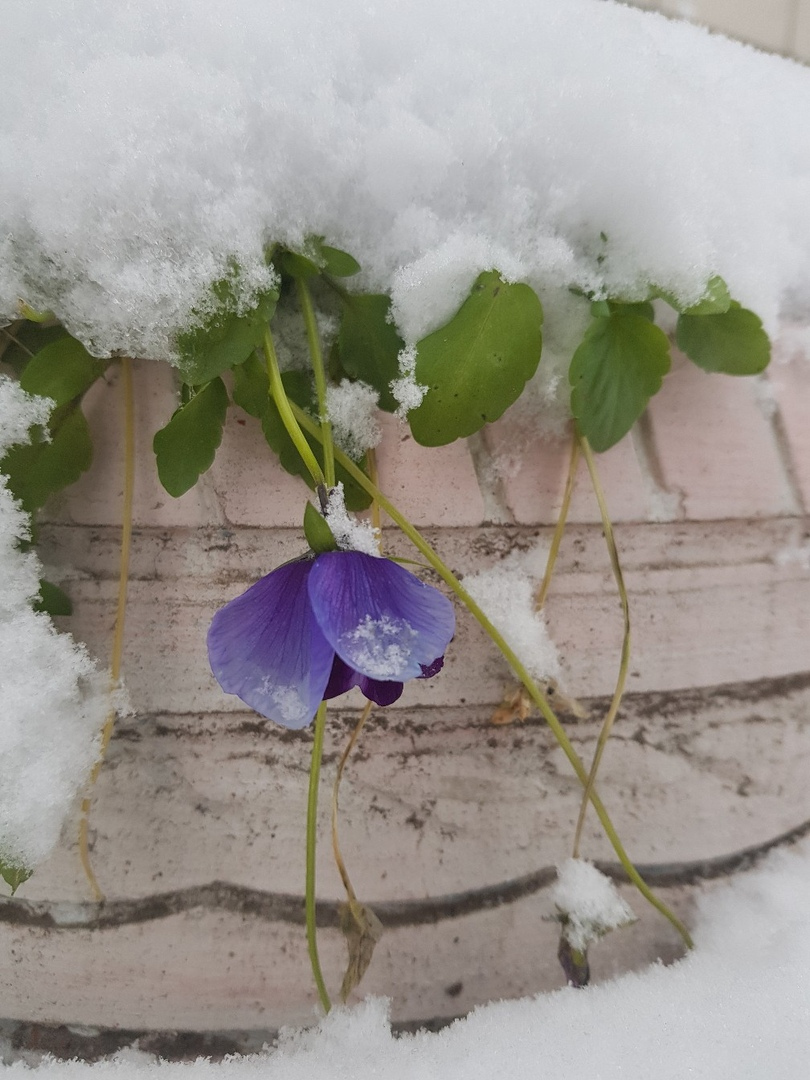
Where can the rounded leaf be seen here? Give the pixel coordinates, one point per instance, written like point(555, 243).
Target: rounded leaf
point(476, 365)
point(614, 373)
point(732, 342)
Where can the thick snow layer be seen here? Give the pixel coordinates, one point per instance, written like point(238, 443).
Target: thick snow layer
point(53, 699)
point(735, 1009)
point(143, 146)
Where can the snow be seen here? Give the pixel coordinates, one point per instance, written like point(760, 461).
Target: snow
point(53, 698)
point(350, 533)
point(352, 410)
point(735, 1008)
point(406, 390)
point(589, 903)
point(506, 595)
point(162, 142)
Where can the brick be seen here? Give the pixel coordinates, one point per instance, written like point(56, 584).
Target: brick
point(801, 42)
point(534, 475)
point(791, 387)
point(716, 447)
point(768, 26)
point(430, 485)
point(252, 487)
point(96, 499)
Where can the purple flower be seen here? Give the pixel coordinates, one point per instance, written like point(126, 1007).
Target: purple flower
point(316, 627)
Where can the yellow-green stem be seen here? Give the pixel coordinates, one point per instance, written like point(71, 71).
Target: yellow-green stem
point(376, 521)
point(562, 517)
point(312, 832)
point(313, 341)
point(624, 662)
point(285, 412)
point(534, 692)
point(120, 613)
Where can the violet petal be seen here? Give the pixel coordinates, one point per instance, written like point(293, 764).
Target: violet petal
point(384, 622)
point(429, 670)
point(343, 678)
point(267, 648)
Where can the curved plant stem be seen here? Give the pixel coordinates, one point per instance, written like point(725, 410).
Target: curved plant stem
point(312, 830)
point(341, 865)
point(376, 521)
point(313, 341)
point(559, 529)
point(120, 613)
point(624, 662)
point(537, 696)
point(285, 412)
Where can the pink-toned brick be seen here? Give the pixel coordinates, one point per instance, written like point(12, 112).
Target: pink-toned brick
point(791, 387)
point(96, 498)
point(252, 487)
point(534, 475)
point(716, 447)
point(430, 485)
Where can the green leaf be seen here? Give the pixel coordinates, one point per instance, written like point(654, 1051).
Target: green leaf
point(369, 345)
point(27, 340)
point(715, 301)
point(639, 307)
point(14, 875)
point(478, 363)
point(223, 339)
point(52, 600)
point(316, 530)
point(251, 392)
point(613, 374)
point(299, 388)
point(186, 446)
point(298, 266)
point(32, 315)
point(40, 468)
point(732, 342)
point(62, 371)
point(318, 258)
point(339, 263)
point(251, 387)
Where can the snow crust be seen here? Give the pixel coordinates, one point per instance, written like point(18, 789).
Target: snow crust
point(735, 1008)
point(147, 148)
point(506, 595)
point(53, 698)
point(588, 902)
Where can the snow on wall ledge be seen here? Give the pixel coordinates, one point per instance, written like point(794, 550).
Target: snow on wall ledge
point(54, 697)
point(144, 146)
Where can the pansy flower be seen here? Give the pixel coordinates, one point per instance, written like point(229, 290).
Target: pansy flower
point(314, 628)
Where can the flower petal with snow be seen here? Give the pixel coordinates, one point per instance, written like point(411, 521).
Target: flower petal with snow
point(378, 617)
point(267, 648)
point(314, 628)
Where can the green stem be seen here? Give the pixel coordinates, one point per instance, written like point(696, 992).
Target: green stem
point(562, 517)
point(315, 353)
point(624, 663)
point(449, 578)
point(286, 413)
point(312, 830)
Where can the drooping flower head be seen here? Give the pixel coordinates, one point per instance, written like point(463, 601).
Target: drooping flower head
point(314, 628)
